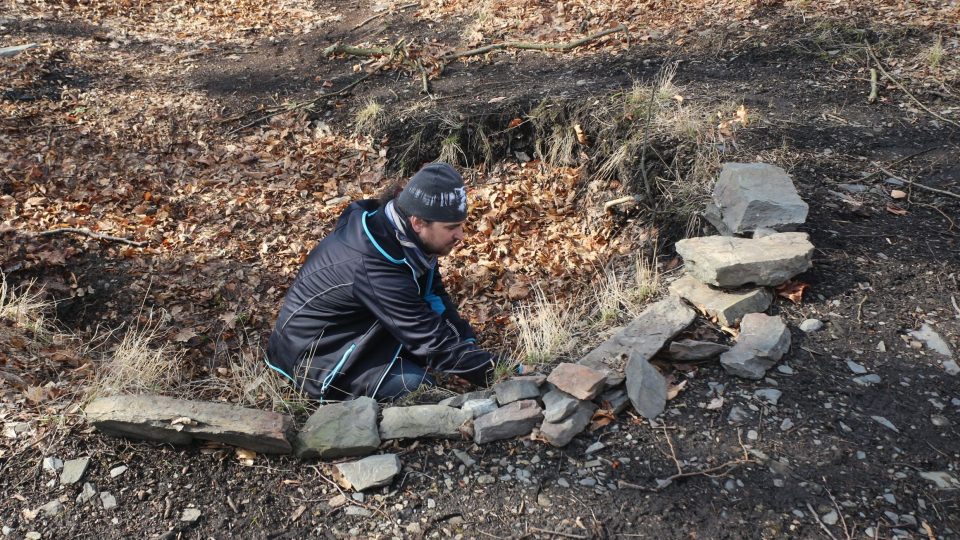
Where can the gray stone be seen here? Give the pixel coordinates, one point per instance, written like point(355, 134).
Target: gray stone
point(52, 508)
point(616, 399)
point(108, 501)
point(856, 368)
point(786, 425)
point(513, 420)
point(516, 389)
point(73, 470)
point(561, 433)
point(762, 232)
point(369, 472)
point(336, 430)
point(423, 421)
point(177, 421)
point(646, 387)
point(87, 493)
point(643, 337)
point(458, 400)
point(885, 423)
point(52, 464)
point(754, 195)
point(190, 515)
point(933, 341)
point(770, 395)
point(594, 447)
point(480, 407)
point(464, 458)
point(558, 405)
point(117, 471)
point(811, 325)
point(731, 262)
point(691, 350)
point(830, 518)
point(727, 306)
point(762, 342)
point(942, 479)
point(578, 380)
point(867, 380)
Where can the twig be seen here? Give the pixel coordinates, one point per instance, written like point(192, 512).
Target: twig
point(904, 89)
point(607, 206)
point(942, 213)
point(929, 530)
point(91, 234)
point(873, 86)
point(724, 468)
point(817, 519)
point(382, 13)
point(843, 521)
point(556, 533)
point(860, 308)
point(897, 162)
point(643, 150)
point(921, 186)
point(298, 106)
point(532, 46)
point(673, 452)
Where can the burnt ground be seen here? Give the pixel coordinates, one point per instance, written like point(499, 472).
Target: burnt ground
point(878, 274)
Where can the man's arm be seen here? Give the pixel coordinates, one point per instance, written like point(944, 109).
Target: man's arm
point(451, 312)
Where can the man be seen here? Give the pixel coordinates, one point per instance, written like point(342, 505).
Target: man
point(368, 314)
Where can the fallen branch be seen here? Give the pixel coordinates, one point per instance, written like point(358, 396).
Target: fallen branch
point(382, 13)
point(873, 86)
point(523, 45)
point(16, 49)
point(719, 470)
point(609, 205)
point(297, 106)
point(921, 186)
point(91, 234)
point(556, 533)
point(817, 519)
point(904, 89)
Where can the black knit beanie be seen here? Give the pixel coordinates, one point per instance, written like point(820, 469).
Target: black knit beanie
point(435, 193)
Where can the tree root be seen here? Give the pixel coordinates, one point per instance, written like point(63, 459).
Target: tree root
point(91, 234)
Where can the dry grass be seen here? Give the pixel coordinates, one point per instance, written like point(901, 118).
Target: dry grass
point(545, 330)
point(624, 294)
point(934, 54)
point(25, 307)
point(370, 118)
point(140, 363)
point(451, 151)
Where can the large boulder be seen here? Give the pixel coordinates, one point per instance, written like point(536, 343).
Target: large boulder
point(762, 343)
point(727, 306)
point(731, 262)
point(178, 421)
point(751, 196)
point(423, 421)
point(338, 430)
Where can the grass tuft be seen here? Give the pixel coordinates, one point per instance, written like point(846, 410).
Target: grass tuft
point(624, 294)
point(25, 307)
point(545, 328)
point(138, 364)
point(369, 118)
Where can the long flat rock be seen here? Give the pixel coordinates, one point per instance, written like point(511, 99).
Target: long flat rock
point(727, 306)
point(178, 421)
point(727, 261)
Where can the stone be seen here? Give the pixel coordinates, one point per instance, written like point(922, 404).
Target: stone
point(867, 380)
point(578, 380)
point(357, 511)
point(190, 515)
point(811, 325)
point(738, 415)
point(642, 338)
point(52, 508)
point(762, 343)
point(885, 423)
point(646, 387)
point(336, 430)
point(786, 425)
point(52, 464)
point(691, 350)
point(934, 342)
point(73, 470)
point(464, 458)
point(516, 389)
point(558, 405)
point(594, 447)
point(33, 535)
point(480, 407)
point(176, 421)
point(942, 479)
point(770, 395)
point(88, 492)
point(423, 421)
point(561, 433)
point(856, 368)
point(616, 399)
point(369, 472)
point(830, 518)
point(728, 306)
point(731, 262)
point(458, 400)
point(748, 196)
point(108, 501)
point(513, 420)
point(117, 471)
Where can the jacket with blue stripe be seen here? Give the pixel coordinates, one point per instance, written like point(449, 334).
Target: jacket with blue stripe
point(357, 304)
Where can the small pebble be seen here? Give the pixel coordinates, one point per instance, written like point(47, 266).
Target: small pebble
point(562, 482)
point(785, 369)
point(753, 435)
point(940, 420)
point(108, 501)
point(856, 368)
point(830, 518)
point(117, 471)
point(786, 425)
point(589, 482)
point(811, 325)
point(190, 515)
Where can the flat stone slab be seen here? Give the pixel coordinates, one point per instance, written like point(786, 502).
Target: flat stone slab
point(691, 350)
point(578, 380)
point(513, 420)
point(762, 343)
point(516, 389)
point(177, 421)
point(423, 421)
point(561, 433)
point(558, 405)
point(932, 339)
point(617, 399)
point(480, 407)
point(727, 261)
point(369, 472)
point(750, 196)
point(646, 387)
point(338, 430)
point(643, 337)
point(727, 306)
point(73, 470)
point(459, 399)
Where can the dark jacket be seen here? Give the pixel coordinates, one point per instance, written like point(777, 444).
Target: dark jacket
point(357, 304)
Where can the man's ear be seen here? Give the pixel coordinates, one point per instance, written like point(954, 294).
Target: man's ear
point(417, 224)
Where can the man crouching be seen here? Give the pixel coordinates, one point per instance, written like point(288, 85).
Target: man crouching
point(368, 314)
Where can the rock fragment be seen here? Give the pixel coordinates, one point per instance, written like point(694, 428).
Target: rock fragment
point(728, 306)
point(561, 433)
point(811, 325)
point(513, 420)
point(516, 389)
point(336, 430)
point(190, 515)
point(108, 501)
point(73, 470)
point(750, 196)
point(422, 421)
point(52, 464)
point(731, 262)
point(762, 342)
point(578, 380)
point(458, 400)
point(933, 341)
point(369, 472)
point(617, 399)
point(558, 405)
point(480, 407)
point(691, 350)
point(646, 387)
point(52, 508)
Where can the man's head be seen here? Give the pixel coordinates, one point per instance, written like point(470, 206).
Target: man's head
point(436, 201)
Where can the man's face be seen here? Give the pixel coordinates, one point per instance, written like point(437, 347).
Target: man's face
point(437, 237)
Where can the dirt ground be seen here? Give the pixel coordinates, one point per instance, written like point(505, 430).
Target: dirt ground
point(882, 268)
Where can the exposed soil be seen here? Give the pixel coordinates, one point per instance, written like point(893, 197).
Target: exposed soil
point(882, 268)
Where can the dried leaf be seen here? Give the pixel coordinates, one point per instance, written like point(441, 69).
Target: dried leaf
point(35, 394)
point(245, 456)
point(896, 210)
point(792, 290)
point(514, 123)
point(675, 389)
point(185, 335)
point(601, 418)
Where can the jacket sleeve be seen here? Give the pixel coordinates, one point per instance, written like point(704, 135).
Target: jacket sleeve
point(391, 294)
point(451, 313)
